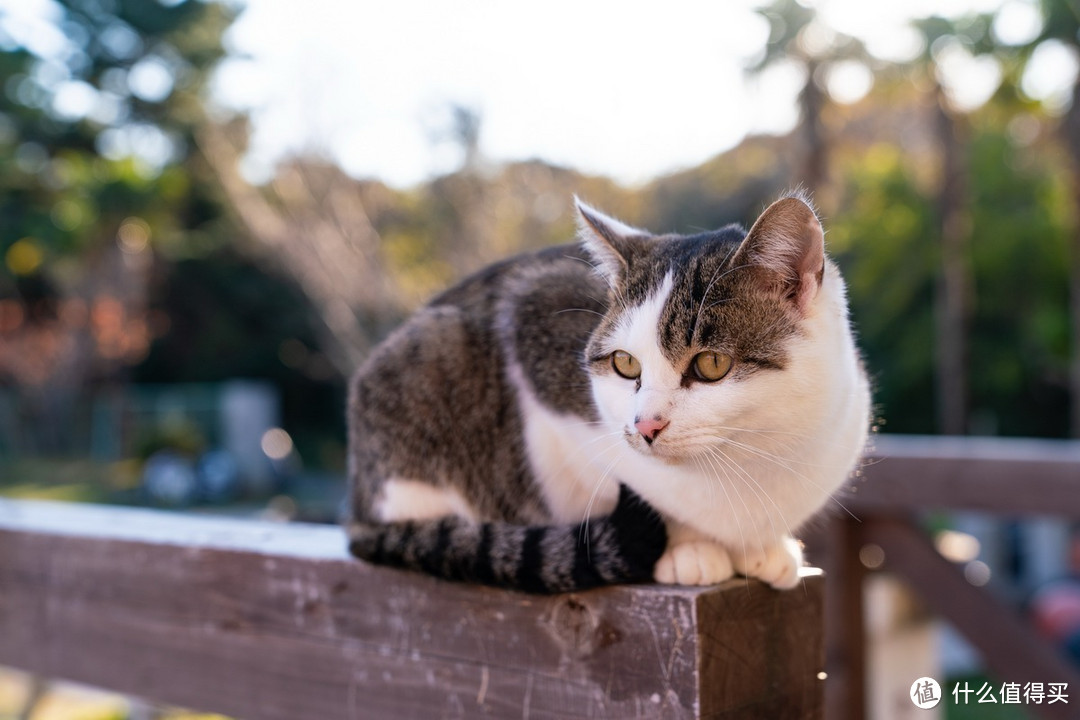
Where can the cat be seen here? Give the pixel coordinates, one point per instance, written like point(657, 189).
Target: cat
point(634, 407)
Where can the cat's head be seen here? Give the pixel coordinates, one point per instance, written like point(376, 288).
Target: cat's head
point(710, 336)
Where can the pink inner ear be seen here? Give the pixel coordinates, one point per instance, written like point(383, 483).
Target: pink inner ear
point(809, 284)
point(811, 264)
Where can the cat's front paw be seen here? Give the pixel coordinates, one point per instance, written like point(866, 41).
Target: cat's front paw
point(696, 562)
point(777, 565)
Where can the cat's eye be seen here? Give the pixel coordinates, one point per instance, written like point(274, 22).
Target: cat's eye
point(626, 364)
point(711, 366)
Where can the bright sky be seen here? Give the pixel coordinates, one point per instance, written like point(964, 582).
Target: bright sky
point(624, 89)
point(628, 90)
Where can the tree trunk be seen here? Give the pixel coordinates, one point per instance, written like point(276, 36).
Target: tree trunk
point(953, 283)
point(1070, 128)
point(814, 171)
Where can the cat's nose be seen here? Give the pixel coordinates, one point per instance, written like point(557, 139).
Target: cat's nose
point(650, 428)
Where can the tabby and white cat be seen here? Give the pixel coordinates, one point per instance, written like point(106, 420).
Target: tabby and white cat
point(509, 432)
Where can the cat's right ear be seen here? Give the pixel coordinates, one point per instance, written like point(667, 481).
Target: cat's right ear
point(787, 241)
point(610, 242)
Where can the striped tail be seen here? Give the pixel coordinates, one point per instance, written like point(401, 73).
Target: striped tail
point(620, 548)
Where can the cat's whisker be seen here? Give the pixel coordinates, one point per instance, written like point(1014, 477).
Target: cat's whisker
point(719, 302)
point(731, 270)
point(584, 310)
point(817, 439)
point(763, 432)
point(748, 478)
point(584, 261)
point(604, 476)
point(799, 476)
point(790, 456)
point(614, 439)
point(781, 461)
point(725, 463)
point(571, 461)
point(777, 460)
point(723, 488)
point(741, 474)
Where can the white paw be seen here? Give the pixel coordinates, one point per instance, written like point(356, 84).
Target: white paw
point(777, 565)
point(698, 562)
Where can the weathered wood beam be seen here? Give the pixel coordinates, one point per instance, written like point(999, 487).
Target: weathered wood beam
point(1002, 475)
point(834, 546)
point(266, 621)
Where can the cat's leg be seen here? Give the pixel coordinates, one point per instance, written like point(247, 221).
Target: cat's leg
point(692, 558)
point(776, 564)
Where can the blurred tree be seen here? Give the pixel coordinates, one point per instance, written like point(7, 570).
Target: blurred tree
point(95, 124)
point(365, 255)
point(1061, 25)
point(886, 237)
point(463, 198)
point(797, 35)
point(732, 187)
point(881, 238)
point(1019, 335)
point(953, 287)
point(227, 317)
point(310, 223)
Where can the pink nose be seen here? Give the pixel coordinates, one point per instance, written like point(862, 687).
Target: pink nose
point(649, 429)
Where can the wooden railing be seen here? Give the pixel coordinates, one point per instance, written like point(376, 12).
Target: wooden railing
point(906, 477)
point(274, 621)
point(265, 621)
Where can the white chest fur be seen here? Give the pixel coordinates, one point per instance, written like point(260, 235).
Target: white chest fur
point(571, 459)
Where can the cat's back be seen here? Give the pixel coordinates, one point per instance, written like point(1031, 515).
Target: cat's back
point(566, 267)
point(440, 396)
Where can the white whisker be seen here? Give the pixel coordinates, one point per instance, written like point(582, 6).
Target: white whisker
point(748, 478)
point(584, 310)
point(784, 463)
point(720, 481)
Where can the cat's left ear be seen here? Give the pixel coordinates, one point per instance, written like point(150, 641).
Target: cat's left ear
point(787, 242)
point(610, 242)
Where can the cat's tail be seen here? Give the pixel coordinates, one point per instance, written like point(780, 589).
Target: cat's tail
point(619, 548)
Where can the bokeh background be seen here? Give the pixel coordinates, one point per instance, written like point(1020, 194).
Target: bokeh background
point(210, 211)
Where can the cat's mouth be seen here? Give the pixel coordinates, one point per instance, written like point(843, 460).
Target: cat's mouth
point(660, 448)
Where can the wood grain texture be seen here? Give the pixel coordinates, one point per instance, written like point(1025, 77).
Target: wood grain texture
point(741, 631)
point(275, 622)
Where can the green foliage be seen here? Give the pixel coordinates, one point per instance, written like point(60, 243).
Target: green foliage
point(885, 235)
point(1020, 328)
point(883, 241)
point(72, 170)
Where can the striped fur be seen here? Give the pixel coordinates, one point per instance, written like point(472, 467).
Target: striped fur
point(620, 548)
